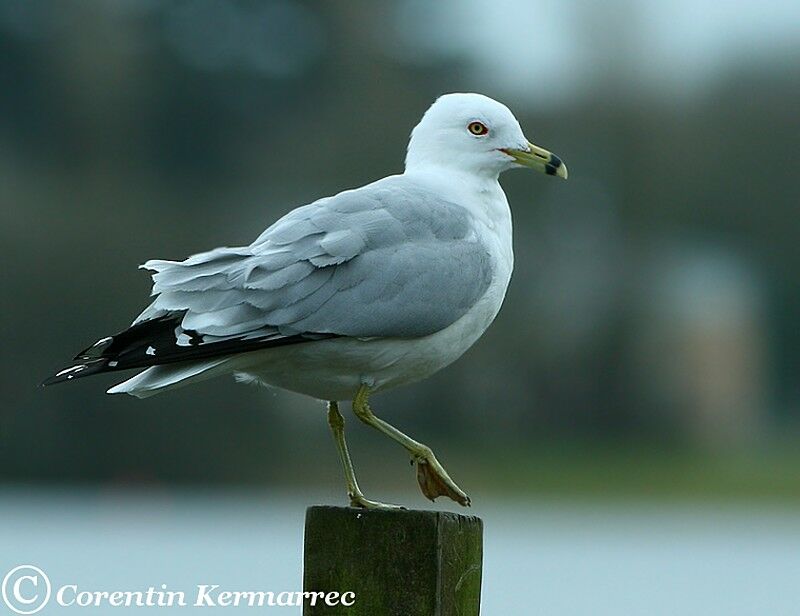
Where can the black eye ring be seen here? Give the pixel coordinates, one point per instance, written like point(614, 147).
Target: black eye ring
point(477, 128)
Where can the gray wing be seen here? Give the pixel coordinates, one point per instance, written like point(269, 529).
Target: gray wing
point(386, 260)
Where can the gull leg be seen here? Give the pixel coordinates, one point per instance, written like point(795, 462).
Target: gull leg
point(433, 479)
point(336, 422)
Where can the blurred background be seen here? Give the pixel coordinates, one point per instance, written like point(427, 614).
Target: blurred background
point(630, 424)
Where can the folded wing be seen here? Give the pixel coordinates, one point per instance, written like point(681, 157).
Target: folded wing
point(386, 260)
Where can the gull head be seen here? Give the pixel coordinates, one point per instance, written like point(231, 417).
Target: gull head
point(475, 134)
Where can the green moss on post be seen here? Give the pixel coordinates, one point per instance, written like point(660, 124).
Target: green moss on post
point(398, 563)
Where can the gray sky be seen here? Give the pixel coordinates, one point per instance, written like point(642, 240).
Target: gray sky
point(562, 47)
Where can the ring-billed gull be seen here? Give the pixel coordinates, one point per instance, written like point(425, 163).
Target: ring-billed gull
point(353, 294)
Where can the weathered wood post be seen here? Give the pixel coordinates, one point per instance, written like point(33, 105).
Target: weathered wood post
point(398, 563)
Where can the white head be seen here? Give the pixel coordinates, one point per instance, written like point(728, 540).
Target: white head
point(475, 134)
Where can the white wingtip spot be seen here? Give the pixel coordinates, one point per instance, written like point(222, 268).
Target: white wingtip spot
point(71, 370)
point(150, 350)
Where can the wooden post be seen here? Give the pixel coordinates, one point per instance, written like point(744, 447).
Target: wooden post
point(398, 563)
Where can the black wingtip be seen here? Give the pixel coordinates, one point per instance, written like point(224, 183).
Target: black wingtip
point(95, 351)
point(76, 371)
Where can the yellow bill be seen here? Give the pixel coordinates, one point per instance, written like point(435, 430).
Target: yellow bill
point(539, 159)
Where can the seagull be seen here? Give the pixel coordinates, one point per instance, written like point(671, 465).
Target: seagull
point(350, 295)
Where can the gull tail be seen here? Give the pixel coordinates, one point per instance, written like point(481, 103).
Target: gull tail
point(99, 358)
point(160, 378)
point(156, 345)
point(136, 348)
point(149, 382)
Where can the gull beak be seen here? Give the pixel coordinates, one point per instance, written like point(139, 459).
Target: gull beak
point(539, 159)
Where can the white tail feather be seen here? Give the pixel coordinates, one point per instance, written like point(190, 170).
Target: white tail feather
point(156, 379)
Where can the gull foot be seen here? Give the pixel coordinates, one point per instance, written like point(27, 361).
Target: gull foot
point(434, 481)
point(359, 501)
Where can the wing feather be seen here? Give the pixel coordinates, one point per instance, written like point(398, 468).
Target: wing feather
point(386, 260)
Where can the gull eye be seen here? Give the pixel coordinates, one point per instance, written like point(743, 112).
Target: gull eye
point(477, 128)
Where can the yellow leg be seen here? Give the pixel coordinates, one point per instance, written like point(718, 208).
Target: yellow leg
point(357, 499)
point(433, 479)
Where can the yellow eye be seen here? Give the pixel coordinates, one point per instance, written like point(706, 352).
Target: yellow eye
point(477, 128)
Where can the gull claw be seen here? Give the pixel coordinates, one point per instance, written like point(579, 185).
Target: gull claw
point(435, 482)
point(360, 502)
